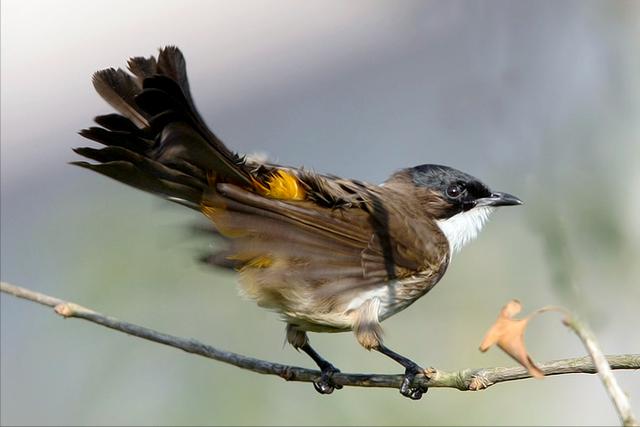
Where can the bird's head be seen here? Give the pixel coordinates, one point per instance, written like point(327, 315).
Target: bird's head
point(458, 202)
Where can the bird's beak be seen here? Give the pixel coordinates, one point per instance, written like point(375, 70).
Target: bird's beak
point(499, 199)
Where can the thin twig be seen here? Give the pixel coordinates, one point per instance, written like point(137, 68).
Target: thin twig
point(618, 396)
point(466, 379)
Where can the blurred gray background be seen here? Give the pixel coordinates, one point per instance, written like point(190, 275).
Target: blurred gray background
point(540, 99)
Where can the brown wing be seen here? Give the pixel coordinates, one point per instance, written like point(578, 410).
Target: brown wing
point(297, 254)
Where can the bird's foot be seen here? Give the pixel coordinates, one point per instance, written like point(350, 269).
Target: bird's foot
point(325, 384)
point(414, 393)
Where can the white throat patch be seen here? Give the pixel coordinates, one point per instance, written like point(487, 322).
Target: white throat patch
point(462, 228)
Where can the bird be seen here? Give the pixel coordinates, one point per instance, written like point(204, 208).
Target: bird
point(328, 254)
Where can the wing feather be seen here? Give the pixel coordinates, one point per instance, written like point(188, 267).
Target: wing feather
point(297, 254)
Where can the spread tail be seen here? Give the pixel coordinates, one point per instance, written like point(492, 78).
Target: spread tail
point(158, 142)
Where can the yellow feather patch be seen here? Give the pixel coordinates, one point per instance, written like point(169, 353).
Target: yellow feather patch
point(259, 262)
point(282, 185)
point(208, 210)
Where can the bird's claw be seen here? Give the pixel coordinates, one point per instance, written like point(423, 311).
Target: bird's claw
point(413, 393)
point(325, 384)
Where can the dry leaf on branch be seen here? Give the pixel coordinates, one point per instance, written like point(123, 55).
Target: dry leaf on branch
point(508, 334)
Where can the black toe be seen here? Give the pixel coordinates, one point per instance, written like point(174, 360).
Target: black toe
point(325, 384)
point(413, 393)
point(323, 387)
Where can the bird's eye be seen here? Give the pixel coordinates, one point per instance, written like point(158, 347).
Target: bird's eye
point(454, 191)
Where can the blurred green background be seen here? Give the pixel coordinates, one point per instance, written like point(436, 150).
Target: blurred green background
point(540, 99)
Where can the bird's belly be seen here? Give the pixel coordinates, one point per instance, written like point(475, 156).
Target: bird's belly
point(393, 298)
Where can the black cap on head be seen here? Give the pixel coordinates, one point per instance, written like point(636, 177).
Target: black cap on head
point(461, 190)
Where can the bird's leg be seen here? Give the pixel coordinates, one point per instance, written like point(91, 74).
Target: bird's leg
point(325, 384)
point(369, 334)
point(299, 340)
point(411, 369)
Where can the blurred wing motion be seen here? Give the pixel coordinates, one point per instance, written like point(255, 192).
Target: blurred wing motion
point(305, 244)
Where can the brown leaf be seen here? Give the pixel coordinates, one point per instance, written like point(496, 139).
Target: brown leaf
point(508, 334)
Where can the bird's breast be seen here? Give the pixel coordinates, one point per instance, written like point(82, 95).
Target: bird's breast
point(400, 294)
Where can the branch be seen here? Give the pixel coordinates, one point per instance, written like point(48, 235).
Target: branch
point(466, 379)
point(618, 396)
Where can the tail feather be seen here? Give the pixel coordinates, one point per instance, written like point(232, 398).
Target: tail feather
point(116, 122)
point(128, 173)
point(169, 74)
point(142, 67)
point(119, 89)
point(163, 93)
point(117, 138)
point(158, 142)
point(171, 63)
point(156, 169)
